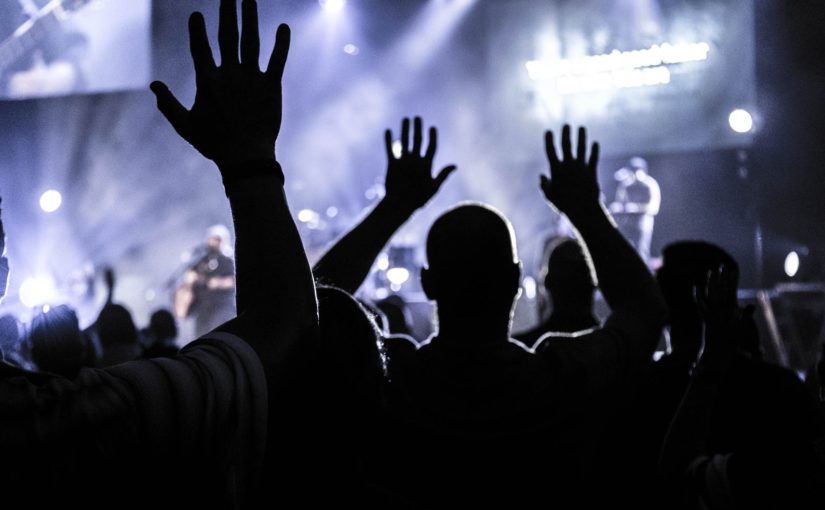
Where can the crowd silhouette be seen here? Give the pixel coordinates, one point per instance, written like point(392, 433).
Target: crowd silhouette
point(312, 398)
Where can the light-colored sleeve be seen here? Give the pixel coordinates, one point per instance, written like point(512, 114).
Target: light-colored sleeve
point(208, 404)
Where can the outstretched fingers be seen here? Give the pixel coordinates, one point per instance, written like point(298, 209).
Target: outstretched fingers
point(250, 37)
point(199, 47)
point(566, 145)
point(388, 145)
point(170, 107)
point(593, 162)
point(417, 136)
point(550, 148)
point(405, 136)
point(581, 145)
point(228, 32)
point(277, 61)
point(432, 144)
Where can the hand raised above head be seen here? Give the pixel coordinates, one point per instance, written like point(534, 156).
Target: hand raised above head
point(572, 182)
point(236, 116)
point(409, 181)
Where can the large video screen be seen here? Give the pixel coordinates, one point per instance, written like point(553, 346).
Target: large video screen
point(60, 47)
point(644, 75)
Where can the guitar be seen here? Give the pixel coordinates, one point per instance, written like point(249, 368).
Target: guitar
point(25, 40)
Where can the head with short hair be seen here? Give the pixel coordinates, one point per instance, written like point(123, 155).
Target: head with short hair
point(57, 345)
point(567, 276)
point(472, 261)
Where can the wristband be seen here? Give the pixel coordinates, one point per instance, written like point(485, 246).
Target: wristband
point(232, 174)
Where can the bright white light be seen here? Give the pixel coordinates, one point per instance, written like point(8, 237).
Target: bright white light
point(398, 275)
point(351, 49)
point(306, 215)
point(37, 291)
point(50, 201)
point(740, 121)
point(333, 5)
point(396, 148)
point(792, 264)
point(529, 284)
point(383, 262)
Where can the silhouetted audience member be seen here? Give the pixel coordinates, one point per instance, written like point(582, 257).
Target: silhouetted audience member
point(409, 185)
point(745, 433)
point(460, 402)
point(569, 288)
point(193, 430)
point(159, 337)
point(57, 344)
point(631, 449)
point(117, 335)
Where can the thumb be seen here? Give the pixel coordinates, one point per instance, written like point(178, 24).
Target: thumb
point(170, 107)
point(443, 174)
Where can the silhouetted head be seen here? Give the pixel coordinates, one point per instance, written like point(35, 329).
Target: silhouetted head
point(57, 344)
point(472, 268)
point(352, 357)
point(685, 265)
point(163, 326)
point(567, 276)
point(114, 325)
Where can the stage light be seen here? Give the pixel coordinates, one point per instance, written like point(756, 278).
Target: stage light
point(792, 264)
point(530, 288)
point(37, 291)
point(740, 121)
point(50, 201)
point(383, 262)
point(351, 49)
point(397, 148)
point(306, 215)
point(398, 275)
point(332, 5)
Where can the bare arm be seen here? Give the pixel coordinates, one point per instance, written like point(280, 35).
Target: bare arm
point(4, 262)
point(235, 122)
point(409, 186)
point(638, 310)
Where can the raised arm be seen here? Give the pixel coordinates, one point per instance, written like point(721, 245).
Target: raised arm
point(4, 262)
point(638, 310)
point(409, 186)
point(235, 122)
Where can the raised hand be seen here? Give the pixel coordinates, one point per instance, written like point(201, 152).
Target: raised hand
point(572, 182)
point(409, 182)
point(718, 306)
point(236, 116)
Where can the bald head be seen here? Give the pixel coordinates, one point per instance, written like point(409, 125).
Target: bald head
point(471, 250)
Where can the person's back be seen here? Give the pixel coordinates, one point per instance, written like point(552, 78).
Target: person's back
point(463, 404)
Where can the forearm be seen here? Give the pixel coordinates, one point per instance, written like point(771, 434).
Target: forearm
point(624, 280)
point(347, 263)
point(687, 435)
point(272, 272)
